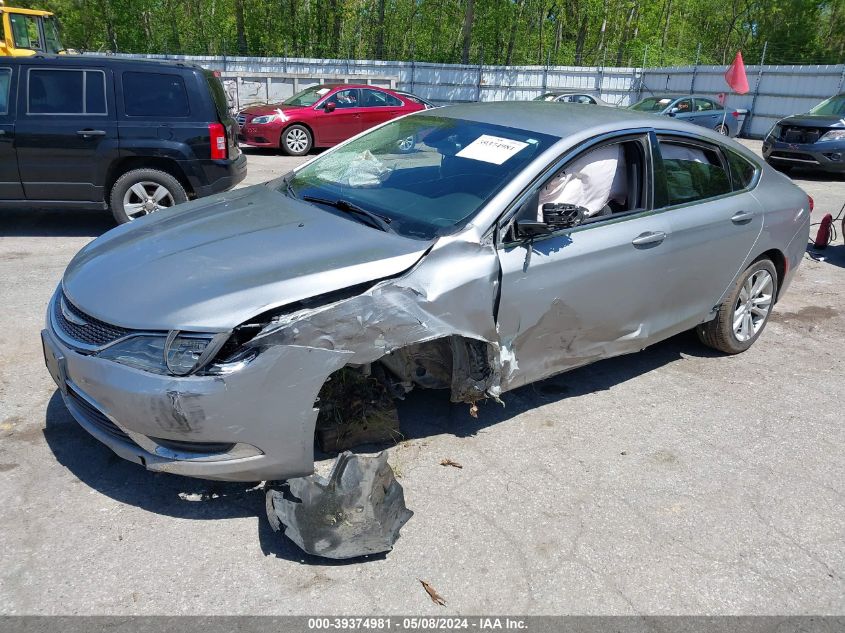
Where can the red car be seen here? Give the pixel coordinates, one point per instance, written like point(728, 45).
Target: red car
point(322, 116)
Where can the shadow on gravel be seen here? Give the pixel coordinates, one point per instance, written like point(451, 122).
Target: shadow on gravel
point(422, 414)
point(54, 223)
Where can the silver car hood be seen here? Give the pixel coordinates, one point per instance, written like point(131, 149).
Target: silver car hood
point(212, 264)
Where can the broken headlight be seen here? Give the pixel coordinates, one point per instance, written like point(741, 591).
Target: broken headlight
point(178, 353)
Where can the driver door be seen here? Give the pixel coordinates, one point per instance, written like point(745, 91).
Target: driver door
point(344, 121)
point(584, 293)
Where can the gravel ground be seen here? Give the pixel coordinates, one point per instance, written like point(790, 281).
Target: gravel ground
point(674, 481)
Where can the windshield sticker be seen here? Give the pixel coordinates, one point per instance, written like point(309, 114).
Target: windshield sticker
point(492, 149)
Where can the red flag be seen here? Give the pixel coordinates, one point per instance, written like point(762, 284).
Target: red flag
point(735, 75)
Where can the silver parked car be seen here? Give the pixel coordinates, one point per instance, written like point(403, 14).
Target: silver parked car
point(695, 109)
point(572, 97)
point(510, 244)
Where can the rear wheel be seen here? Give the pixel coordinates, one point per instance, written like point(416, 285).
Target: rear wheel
point(296, 140)
point(743, 314)
point(143, 191)
point(723, 129)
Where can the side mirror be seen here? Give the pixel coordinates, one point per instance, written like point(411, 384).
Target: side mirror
point(330, 106)
point(558, 216)
point(531, 228)
point(673, 111)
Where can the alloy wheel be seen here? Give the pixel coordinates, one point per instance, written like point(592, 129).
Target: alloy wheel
point(146, 197)
point(753, 305)
point(296, 140)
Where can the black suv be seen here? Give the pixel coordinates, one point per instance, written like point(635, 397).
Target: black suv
point(130, 135)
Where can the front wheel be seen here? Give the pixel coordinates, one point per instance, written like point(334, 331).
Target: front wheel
point(296, 140)
point(743, 314)
point(143, 191)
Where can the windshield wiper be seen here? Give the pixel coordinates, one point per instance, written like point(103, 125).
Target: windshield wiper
point(375, 220)
point(286, 179)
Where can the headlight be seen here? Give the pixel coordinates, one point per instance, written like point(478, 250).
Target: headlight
point(833, 135)
point(178, 353)
point(262, 120)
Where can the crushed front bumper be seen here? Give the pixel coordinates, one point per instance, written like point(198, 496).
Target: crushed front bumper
point(826, 155)
point(253, 424)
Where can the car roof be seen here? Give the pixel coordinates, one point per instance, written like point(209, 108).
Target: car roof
point(544, 117)
point(674, 97)
point(108, 60)
point(333, 86)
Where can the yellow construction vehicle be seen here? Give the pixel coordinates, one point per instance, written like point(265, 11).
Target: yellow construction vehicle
point(28, 32)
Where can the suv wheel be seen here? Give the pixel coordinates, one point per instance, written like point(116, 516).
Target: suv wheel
point(296, 140)
point(143, 191)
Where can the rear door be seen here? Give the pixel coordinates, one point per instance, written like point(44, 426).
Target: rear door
point(10, 185)
point(378, 107)
point(66, 132)
point(707, 113)
point(713, 226)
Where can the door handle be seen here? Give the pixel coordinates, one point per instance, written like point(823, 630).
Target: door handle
point(87, 133)
point(649, 238)
point(742, 217)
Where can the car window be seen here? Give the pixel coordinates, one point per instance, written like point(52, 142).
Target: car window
point(66, 91)
point(693, 172)
point(154, 95)
point(25, 31)
point(344, 99)
point(428, 175)
point(704, 105)
point(684, 106)
point(742, 169)
point(378, 99)
point(652, 104)
point(584, 99)
point(5, 87)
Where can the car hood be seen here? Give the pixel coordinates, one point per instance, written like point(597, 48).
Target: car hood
point(813, 120)
point(212, 264)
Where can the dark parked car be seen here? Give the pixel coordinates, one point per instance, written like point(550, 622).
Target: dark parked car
point(695, 109)
point(127, 135)
point(815, 139)
point(322, 116)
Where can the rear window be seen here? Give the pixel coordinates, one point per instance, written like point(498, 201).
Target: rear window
point(218, 94)
point(154, 95)
point(693, 172)
point(66, 91)
point(5, 84)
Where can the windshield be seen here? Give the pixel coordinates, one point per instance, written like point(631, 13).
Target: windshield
point(834, 105)
point(51, 35)
point(426, 176)
point(652, 104)
point(549, 96)
point(307, 97)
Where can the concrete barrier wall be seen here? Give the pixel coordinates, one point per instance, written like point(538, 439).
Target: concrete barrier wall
point(776, 91)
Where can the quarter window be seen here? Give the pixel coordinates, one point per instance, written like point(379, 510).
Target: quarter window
point(5, 87)
point(66, 91)
point(742, 170)
point(154, 95)
point(693, 172)
point(378, 99)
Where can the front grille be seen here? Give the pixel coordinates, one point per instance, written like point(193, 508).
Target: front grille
point(178, 446)
point(806, 158)
point(94, 416)
point(804, 135)
point(94, 333)
point(241, 119)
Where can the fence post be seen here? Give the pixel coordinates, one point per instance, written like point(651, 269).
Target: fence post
point(480, 74)
point(841, 80)
point(750, 116)
point(546, 71)
point(413, 66)
point(695, 69)
point(285, 61)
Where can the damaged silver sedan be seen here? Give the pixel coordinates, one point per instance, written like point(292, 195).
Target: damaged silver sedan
point(471, 248)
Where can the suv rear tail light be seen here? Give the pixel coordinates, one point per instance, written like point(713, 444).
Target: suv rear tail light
point(219, 146)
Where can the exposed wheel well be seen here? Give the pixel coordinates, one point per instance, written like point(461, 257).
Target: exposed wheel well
point(779, 260)
point(167, 165)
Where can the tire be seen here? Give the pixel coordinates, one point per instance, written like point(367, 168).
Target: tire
point(722, 333)
point(723, 129)
point(297, 140)
point(140, 192)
